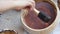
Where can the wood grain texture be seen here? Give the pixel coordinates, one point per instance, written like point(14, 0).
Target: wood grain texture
point(32, 19)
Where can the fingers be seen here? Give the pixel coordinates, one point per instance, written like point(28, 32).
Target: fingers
point(24, 3)
point(33, 4)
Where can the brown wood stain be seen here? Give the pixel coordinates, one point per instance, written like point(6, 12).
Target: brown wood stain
point(33, 21)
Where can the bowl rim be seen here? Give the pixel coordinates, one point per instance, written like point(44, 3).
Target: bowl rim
point(55, 21)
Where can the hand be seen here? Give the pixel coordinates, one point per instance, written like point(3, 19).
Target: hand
point(24, 3)
point(15, 4)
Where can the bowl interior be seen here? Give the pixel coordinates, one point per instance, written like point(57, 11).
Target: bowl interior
point(53, 13)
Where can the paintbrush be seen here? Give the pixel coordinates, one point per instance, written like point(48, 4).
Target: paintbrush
point(42, 16)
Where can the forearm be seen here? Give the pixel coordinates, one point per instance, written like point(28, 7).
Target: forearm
point(5, 5)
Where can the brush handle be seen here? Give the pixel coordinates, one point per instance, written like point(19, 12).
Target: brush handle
point(36, 11)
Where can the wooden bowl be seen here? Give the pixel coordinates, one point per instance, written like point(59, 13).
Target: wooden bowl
point(46, 30)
